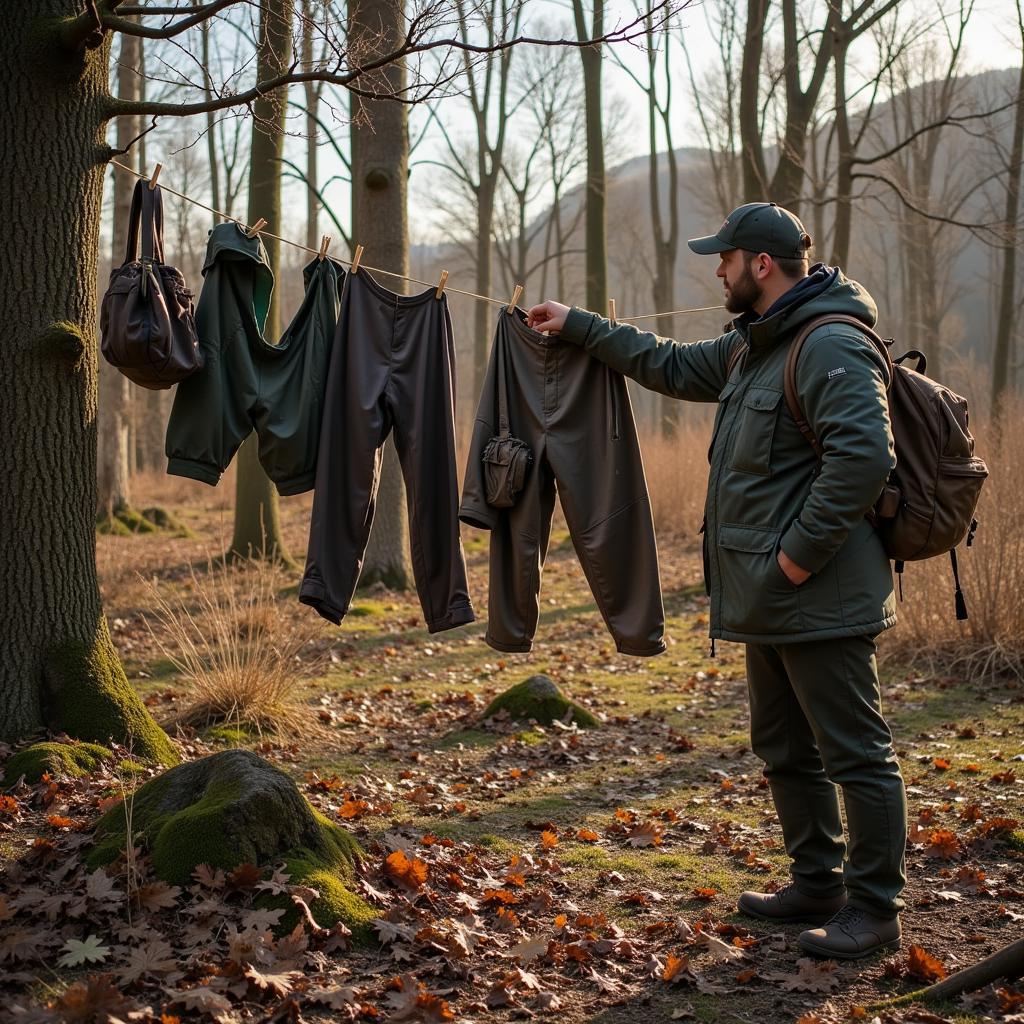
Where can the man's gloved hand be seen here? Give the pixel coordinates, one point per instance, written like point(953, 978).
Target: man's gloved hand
point(548, 316)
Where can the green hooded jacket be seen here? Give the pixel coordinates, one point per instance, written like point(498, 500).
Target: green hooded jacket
point(766, 488)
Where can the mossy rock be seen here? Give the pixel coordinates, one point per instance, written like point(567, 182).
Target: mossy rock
point(167, 521)
point(235, 808)
point(539, 699)
point(65, 759)
point(89, 697)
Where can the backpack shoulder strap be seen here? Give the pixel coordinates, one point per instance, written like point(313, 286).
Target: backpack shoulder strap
point(789, 378)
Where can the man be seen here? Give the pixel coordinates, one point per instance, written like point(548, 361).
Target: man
point(794, 569)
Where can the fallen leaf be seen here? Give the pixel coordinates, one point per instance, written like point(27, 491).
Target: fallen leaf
point(923, 966)
point(89, 951)
point(410, 872)
point(811, 976)
point(530, 949)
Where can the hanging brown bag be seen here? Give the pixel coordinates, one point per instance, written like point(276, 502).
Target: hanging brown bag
point(147, 319)
point(505, 458)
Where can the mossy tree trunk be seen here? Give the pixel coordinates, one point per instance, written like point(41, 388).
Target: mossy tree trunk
point(257, 532)
point(58, 666)
point(380, 223)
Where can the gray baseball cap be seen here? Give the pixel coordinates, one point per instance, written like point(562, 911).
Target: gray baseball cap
point(757, 227)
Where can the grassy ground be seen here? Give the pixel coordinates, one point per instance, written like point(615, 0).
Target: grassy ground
point(681, 819)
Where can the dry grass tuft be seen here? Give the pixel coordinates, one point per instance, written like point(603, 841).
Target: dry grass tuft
point(236, 654)
point(677, 478)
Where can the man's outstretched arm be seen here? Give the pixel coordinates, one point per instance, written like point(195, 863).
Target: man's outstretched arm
point(695, 371)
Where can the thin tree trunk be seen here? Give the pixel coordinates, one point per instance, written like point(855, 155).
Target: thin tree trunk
point(844, 168)
point(596, 215)
point(257, 532)
point(312, 91)
point(211, 121)
point(755, 175)
point(59, 667)
point(114, 414)
point(1006, 319)
point(380, 171)
point(482, 324)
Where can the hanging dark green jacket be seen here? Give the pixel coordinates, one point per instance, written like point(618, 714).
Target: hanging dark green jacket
point(766, 488)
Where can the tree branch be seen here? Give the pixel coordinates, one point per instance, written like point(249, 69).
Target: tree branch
point(951, 119)
point(117, 108)
point(86, 31)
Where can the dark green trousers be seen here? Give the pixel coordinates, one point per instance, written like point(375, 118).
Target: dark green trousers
point(816, 722)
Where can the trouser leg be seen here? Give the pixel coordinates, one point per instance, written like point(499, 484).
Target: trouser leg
point(836, 683)
point(806, 801)
point(352, 433)
point(595, 455)
point(421, 397)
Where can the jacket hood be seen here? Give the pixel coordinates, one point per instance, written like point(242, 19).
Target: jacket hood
point(825, 290)
point(230, 246)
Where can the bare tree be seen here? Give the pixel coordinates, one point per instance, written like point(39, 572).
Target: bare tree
point(1008, 318)
point(664, 216)
point(798, 100)
point(113, 479)
point(257, 528)
point(380, 217)
point(596, 272)
point(715, 99)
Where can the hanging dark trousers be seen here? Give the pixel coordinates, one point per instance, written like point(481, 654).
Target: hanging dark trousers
point(392, 367)
point(574, 414)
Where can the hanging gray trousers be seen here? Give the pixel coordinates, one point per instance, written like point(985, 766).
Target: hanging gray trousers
point(574, 413)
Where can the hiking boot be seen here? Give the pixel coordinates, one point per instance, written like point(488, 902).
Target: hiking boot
point(789, 904)
point(851, 934)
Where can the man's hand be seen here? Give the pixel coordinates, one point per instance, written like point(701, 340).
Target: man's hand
point(792, 571)
point(548, 316)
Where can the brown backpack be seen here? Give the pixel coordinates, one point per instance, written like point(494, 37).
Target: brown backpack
point(927, 506)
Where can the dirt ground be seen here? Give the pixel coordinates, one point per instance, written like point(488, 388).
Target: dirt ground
point(590, 874)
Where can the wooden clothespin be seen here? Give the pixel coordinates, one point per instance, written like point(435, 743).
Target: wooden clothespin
point(441, 284)
point(515, 297)
point(256, 228)
point(155, 175)
point(325, 244)
point(611, 311)
point(356, 259)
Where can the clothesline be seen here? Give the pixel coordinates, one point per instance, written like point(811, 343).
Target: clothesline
point(378, 270)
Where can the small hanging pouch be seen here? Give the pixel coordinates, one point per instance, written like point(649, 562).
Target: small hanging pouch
point(505, 458)
point(147, 319)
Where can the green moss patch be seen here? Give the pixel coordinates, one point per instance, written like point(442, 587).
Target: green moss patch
point(66, 759)
point(89, 697)
point(539, 699)
point(235, 808)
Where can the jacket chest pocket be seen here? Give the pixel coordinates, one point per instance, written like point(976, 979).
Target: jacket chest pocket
point(755, 429)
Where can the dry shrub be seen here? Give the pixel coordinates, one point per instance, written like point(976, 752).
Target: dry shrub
point(235, 651)
point(677, 479)
point(991, 641)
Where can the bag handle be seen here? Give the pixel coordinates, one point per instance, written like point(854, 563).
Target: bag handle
point(792, 401)
point(147, 214)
